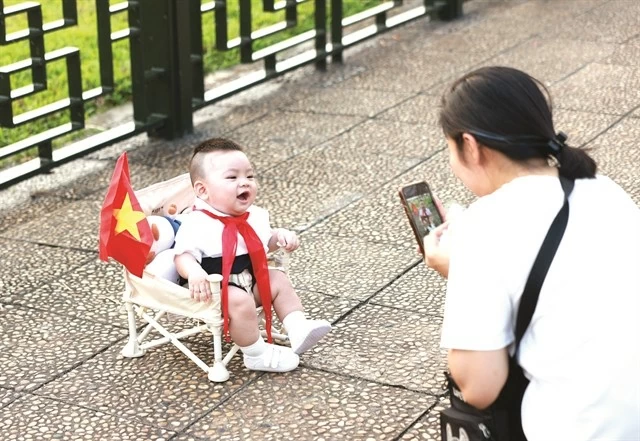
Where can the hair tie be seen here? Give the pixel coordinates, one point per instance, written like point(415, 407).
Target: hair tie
point(557, 143)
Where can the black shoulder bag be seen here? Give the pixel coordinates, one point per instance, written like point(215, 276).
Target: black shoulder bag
point(502, 421)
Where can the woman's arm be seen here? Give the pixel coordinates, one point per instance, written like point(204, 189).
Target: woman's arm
point(480, 375)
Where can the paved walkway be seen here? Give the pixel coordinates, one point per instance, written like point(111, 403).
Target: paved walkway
point(331, 148)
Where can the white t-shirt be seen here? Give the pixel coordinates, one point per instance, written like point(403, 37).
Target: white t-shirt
point(581, 350)
point(201, 235)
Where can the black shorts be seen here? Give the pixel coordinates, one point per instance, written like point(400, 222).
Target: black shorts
point(213, 265)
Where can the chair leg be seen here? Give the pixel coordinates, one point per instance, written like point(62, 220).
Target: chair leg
point(218, 372)
point(132, 348)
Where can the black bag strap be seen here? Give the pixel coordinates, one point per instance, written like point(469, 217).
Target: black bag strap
point(541, 265)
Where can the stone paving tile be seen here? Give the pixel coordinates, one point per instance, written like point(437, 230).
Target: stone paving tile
point(33, 417)
point(543, 11)
point(480, 40)
point(163, 388)
point(369, 102)
point(19, 211)
point(336, 73)
point(114, 150)
point(29, 266)
point(626, 54)
point(222, 118)
point(297, 207)
point(581, 127)
point(75, 225)
point(389, 137)
point(596, 24)
point(38, 346)
point(550, 59)
point(311, 405)
point(282, 135)
point(92, 291)
point(421, 109)
point(7, 396)
point(60, 183)
point(379, 217)
point(278, 93)
point(386, 345)
point(322, 306)
point(599, 88)
point(420, 290)
point(616, 157)
point(344, 166)
point(159, 156)
point(428, 427)
point(343, 267)
point(90, 185)
point(409, 73)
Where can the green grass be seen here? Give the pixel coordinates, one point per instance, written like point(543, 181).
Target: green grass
point(83, 36)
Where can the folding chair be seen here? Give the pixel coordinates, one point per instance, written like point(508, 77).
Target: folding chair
point(152, 298)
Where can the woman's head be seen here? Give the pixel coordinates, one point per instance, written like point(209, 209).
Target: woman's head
point(508, 111)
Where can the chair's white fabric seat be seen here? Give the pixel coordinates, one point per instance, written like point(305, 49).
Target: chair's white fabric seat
point(159, 294)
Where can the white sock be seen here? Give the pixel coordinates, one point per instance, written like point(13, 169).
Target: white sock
point(294, 320)
point(254, 349)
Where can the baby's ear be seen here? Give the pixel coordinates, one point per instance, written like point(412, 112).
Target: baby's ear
point(200, 189)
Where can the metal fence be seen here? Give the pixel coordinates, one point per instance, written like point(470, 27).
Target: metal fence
point(166, 63)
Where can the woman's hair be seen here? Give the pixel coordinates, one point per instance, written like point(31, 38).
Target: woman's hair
point(196, 165)
point(507, 110)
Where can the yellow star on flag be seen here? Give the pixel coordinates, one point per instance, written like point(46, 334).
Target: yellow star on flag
point(128, 218)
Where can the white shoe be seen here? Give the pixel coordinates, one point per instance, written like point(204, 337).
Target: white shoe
point(306, 337)
point(273, 359)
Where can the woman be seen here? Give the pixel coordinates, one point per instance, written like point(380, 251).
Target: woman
point(581, 350)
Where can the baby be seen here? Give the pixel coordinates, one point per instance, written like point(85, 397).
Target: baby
point(226, 234)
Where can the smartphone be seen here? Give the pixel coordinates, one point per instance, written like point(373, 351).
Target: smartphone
point(421, 210)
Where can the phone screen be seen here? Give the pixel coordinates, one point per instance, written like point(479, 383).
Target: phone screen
point(421, 209)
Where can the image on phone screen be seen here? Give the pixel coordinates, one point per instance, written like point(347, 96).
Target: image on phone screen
point(420, 209)
point(424, 213)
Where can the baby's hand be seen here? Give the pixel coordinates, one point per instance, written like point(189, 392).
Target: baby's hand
point(199, 286)
point(287, 239)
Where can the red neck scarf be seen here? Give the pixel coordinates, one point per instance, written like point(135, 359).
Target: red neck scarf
point(232, 226)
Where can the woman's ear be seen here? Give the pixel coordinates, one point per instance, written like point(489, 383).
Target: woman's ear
point(472, 149)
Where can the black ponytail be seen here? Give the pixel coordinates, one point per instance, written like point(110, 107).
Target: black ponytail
point(576, 163)
point(507, 110)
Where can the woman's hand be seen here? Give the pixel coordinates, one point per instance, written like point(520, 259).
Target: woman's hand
point(436, 255)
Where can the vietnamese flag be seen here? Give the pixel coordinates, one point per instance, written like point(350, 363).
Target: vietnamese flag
point(125, 234)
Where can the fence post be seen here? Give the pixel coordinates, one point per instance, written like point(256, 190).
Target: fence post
point(451, 10)
point(336, 31)
point(161, 67)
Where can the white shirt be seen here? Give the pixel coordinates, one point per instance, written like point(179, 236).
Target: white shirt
point(582, 348)
point(201, 235)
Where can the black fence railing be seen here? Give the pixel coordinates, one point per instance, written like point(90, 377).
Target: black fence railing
point(167, 72)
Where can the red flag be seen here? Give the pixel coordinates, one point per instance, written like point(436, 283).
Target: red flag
point(125, 234)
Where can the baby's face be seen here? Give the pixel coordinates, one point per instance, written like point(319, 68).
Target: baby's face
point(229, 182)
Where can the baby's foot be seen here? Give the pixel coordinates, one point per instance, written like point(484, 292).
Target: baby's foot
point(306, 335)
point(273, 359)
